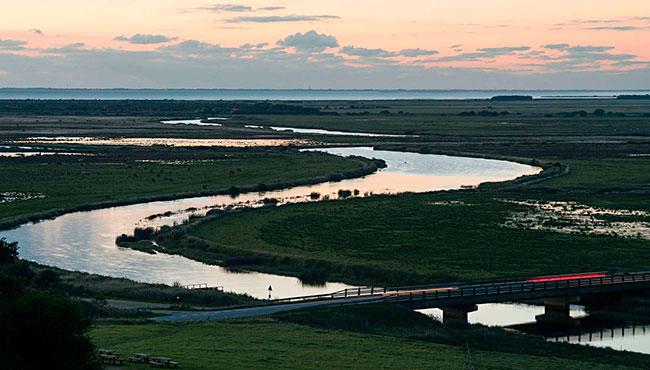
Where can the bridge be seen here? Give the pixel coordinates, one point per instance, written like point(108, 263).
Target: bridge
point(455, 299)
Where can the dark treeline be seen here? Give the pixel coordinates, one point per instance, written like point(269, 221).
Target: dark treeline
point(158, 108)
point(633, 97)
point(512, 98)
point(39, 329)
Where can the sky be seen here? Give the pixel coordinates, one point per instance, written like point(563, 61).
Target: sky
point(410, 44)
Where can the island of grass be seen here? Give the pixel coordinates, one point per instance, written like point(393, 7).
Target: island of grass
point(52, 185)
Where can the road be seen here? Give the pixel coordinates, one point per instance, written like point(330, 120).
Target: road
point(184, 316)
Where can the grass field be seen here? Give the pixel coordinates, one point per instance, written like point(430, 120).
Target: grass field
point(440, 119)
point(417, 239)
point(261, 345)
point(131, 174)
point(608, 173)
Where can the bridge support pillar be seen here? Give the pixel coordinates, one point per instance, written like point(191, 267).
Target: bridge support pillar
point(557, 312)
point(457, 313)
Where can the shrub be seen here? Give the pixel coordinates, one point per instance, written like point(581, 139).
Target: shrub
point(344, 193)
point(8, 251)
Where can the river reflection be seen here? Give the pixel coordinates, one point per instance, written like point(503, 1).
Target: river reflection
point(85, 241)
point(162, 141)
point(318, 131)
point(629, 338)
point(521, 317)
point(504, 314)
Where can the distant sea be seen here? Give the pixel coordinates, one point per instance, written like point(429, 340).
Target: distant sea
point(297, 94)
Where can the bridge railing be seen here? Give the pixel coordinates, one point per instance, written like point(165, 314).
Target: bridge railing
point(368, 291)
point(508, 288)
point(468, 289)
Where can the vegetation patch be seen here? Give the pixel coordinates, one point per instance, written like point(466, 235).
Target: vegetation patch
point(572, 217)
point(14, 196)
point(117, 178)
point(410, 239)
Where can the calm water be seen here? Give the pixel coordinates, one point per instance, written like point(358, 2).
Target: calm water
point(295, 94)
point(318, 131)
point(311, 131)
point(85, 241)
point(504, 314)
point(628, 338)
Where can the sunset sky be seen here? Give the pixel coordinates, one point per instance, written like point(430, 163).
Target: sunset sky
point(326, 44)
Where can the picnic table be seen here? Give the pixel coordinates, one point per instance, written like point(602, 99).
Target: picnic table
point(110, 357)
point(140, 358)
point(162, 362)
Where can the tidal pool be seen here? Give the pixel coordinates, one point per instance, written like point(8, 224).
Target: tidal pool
point(195, 122)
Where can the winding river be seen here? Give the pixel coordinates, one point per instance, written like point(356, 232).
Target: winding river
point(85, 241)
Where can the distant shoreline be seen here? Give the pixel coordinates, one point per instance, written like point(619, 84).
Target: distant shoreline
point(301, 94)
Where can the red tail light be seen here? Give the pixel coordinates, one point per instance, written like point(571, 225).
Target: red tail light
point(546, 279)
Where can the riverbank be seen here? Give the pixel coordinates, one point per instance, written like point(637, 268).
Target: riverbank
point(113, 180)
point(352, 247)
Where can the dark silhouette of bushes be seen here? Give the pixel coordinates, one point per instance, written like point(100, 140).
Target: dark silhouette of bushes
point(580, 113)
point(8, 251)
point(39, 330)
point(154, 108)
point(512, 98)
point(315, 273)
point(483, 113)
point(344, 193)
point(633, 97)
point(139, 234)
point(270, 201)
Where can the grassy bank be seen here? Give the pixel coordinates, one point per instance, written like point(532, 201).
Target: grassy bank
point(411, 239)
point(342, 339)
point(64, 184)
point(95, 288)
point(84, 285)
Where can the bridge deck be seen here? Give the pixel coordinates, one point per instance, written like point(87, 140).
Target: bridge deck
point(440, 295)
